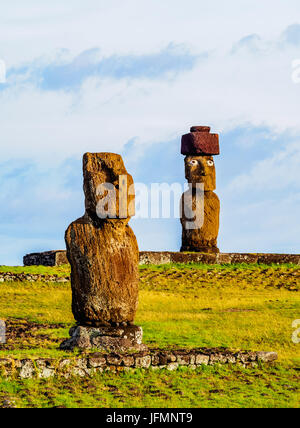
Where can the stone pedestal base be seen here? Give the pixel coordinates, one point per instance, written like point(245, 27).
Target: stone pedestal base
point(206, 250)
point(107, 339)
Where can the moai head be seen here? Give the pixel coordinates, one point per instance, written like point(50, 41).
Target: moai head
point(201, 169)
point(108, 187)
point(199, 146)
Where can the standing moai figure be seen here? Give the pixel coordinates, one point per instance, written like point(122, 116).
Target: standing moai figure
point(199, 146)
point(104, 258)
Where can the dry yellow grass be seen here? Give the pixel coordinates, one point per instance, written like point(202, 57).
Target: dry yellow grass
point(188, 306)
point(236, 307)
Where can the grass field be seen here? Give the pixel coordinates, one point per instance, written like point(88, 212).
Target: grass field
point(240, 307)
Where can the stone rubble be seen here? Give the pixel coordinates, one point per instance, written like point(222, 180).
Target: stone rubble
point(89, 365)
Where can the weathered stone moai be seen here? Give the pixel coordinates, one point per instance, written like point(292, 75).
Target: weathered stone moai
point(104, 256)
point(200, 215)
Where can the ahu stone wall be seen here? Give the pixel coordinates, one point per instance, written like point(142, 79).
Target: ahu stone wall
point(48, 258)
point(57, 258)
point(155, 360)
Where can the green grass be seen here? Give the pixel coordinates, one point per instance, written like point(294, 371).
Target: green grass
point(64, 270)
point(205, 387)
point(60, 271)
point(240, 307)
point(222, 267)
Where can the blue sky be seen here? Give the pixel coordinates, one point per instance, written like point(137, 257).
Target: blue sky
point(131, 77)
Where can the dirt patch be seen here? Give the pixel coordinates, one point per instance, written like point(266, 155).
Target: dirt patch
point(23, 334)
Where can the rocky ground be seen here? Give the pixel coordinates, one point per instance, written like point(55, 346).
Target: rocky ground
point(22, 334)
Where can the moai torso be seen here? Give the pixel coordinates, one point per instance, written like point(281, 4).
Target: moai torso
point(103, 253)
point(199, 146)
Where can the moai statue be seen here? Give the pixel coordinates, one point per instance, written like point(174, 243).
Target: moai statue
point(201, 235)
point(104, 257)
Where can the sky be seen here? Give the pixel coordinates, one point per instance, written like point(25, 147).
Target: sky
point(132, 76)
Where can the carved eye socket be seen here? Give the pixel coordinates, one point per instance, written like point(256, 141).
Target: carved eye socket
point(210, 163)
point(193, 162)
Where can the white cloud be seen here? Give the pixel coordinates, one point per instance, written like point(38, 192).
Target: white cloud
point(270, 225)
point(224, 91)
point(253, 86)
point(277, 172)
point(29, 29)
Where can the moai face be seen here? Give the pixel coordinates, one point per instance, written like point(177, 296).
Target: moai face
point(201, 169)
point(107, 184)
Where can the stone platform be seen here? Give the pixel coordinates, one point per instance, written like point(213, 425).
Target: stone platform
point(160, 258)
point(155, 359)
point(109, 339)
point(48, 258)
point(57, 258)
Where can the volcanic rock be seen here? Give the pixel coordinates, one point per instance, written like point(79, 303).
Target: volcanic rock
point(200, 142)
point(103, 252)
